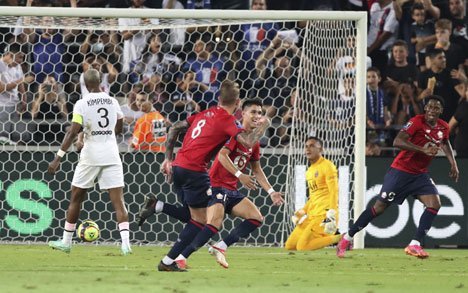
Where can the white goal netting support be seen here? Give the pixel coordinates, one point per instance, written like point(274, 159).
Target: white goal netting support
point(307, 67)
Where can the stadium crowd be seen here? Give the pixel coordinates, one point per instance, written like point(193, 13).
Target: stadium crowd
point(415, 48)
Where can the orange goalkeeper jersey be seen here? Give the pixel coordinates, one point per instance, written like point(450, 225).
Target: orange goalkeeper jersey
point(322, 180)
point(150, 132)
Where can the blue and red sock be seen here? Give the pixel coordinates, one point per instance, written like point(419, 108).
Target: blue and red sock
point(242, 231)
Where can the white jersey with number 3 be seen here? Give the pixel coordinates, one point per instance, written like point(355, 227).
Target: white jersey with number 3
point(100, 113)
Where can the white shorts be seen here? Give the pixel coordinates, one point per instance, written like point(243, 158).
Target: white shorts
point(110, 176)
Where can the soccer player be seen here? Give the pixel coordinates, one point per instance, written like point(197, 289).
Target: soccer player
point(316, 221)
point(419, 141)
point(226, 171)
point(100, 117)
point(206, 133)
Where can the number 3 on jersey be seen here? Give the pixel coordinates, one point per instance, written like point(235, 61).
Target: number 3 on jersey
point(198, 128)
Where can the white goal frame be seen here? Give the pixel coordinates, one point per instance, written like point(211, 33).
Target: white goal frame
point(361, 45)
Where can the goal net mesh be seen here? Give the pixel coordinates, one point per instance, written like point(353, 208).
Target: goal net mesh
point(303, 72)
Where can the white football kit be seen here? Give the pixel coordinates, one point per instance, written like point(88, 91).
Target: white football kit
point(99, 158)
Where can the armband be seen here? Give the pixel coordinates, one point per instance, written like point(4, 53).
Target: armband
point(238, 173)
point(61, 153)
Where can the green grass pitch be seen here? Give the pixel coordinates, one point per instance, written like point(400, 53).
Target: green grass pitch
point(92, 268)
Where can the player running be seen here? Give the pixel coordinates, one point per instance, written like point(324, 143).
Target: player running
point(206, 132)
point(226, 171)
point(419, 141)
point(100, 118)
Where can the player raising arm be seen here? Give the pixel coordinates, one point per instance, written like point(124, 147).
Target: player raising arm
point(316, 221)
point(100, 117)
point(206, 132)
point(419, 141)
point(226, 171)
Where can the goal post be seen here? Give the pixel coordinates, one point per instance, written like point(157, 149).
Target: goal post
point(316, 40)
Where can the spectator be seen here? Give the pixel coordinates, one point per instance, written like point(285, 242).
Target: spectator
point(106, 69)
point(175, 36)
point(378, 114)
point(276, 74)
point(150, 129)
point(453, 53)
point(155, 68)
point(48, 48)
point(181, 103)
point(373, 149)
point(437, 80)
point(346, 62)
point(209, 69)
point(403, 12)
point(252, 40)
point(405, 104)
point(459, 124)
point(382, 33)
point(399, 70)
point(134, 40)
point(102, 44)
point(12, 90)
point(422, 34)
point(287, 114)
point(49, 107)
point(459, 22)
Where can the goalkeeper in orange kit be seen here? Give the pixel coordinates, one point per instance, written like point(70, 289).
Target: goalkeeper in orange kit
point(316, 221)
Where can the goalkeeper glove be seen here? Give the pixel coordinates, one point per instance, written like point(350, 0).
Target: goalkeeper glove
point(329, 223)
point(299, 217)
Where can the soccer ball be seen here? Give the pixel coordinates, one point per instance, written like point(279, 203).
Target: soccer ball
point(88, 231)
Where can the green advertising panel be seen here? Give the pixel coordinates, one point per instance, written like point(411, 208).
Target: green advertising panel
point(396, 227)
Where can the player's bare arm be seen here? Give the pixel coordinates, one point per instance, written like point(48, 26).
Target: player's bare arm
point(246, 180)
point(402, 142)
point(276, 197)
point(67, 142)
point(172, 135)
point(249, 139)
point(119, 126)
point(448, 151)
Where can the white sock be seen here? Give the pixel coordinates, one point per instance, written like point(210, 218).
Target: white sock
point(347, 237)
point(125, 233)
point(159, 206)
point(180, 257)
point(221, 245)
point(415, 242)
point(167, 260)
point(68, 233)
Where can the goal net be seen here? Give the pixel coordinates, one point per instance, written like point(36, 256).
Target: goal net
point(307, 68)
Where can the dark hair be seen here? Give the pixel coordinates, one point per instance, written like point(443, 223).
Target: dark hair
point(374, 69)
point(417, 6)
point(228, 93)
point(400, 43)
point(250, 102)
point(316, 139)
point(434, 52)
point(15, 48)
point(436, 98)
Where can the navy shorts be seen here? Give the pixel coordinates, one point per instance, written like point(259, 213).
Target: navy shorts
point(398, 185)
point(228, 198)
point(193, 188)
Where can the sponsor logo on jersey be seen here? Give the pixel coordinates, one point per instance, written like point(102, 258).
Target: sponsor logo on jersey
point(316, 174)
point(407, 125)
point(440, 134)
point(101, 132)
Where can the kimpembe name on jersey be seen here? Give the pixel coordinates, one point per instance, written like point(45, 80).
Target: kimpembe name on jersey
point(99, 101)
